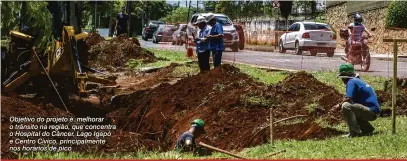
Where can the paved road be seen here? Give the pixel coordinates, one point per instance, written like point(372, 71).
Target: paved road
point(293, 62)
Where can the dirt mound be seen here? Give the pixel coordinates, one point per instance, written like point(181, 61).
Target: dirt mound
point(301, 91)
point(11, 106)
point(93, 39)
point(385, 99)
point(116, 52)
point(232, 104)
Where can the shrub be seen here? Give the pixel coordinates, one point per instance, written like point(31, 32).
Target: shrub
point(397, 14)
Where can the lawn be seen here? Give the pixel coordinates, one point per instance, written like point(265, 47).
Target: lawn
point(381, 145)
point(165, 58)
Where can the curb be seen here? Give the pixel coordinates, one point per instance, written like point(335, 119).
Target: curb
point(261, 67)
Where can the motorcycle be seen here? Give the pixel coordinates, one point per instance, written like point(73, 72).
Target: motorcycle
point(357, 51)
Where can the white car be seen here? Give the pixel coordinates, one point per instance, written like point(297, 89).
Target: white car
point(308, 36)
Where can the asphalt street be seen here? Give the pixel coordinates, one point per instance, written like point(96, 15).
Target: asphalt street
point(290, 61)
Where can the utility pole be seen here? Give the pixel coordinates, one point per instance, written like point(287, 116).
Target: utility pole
point(196, 6)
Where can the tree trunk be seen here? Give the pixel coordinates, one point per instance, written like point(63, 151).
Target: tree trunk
point(111, 22)
point(129, 34)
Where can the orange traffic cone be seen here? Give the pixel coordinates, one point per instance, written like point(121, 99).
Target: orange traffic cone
point(190, 52)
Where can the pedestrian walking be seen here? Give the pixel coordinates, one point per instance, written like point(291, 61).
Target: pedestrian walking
point(202, 44)
point(215, 38)
point(121, 22)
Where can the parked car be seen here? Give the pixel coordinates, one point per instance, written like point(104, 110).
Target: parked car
point(164, 33)
point(149, 29)
point(179, 36)
point(230, 35)
point(308, 36)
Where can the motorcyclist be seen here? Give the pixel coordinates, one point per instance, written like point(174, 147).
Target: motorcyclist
point(355, 30)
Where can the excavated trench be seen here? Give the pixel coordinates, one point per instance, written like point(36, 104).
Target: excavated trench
point(150, 113)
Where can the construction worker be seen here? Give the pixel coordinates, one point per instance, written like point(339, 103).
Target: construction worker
point(202, 45)
point(215, 38)
point(360, 104)
point(186, 142)
point(121, 22)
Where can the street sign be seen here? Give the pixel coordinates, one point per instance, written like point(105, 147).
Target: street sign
point(276, 4)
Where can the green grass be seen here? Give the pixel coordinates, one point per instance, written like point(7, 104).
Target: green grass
point(381, 145)
point(329, 77)
point(263, 75)
point(186, 70)
point(165, 58)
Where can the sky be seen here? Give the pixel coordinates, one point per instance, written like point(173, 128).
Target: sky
point(182, 2)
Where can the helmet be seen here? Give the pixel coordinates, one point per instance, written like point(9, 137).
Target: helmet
point(197, 123)
point(358, 18)
point(346, 70)
point(200, 19)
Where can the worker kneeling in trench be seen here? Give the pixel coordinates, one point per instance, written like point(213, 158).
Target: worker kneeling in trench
point(186, 142)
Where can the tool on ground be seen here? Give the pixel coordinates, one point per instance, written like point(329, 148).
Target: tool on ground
point(273, 154)
point(220, 150)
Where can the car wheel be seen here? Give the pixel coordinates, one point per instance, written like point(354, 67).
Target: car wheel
point(281, 47)
point(330, 53)
point(298, 49)
point(313, 52)
point(144, 38)
point(154, 40)
point(173, 42)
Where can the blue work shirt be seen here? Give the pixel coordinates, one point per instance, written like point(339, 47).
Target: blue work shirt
point(182, 139)
point(202, 46)
point(216, 44)
point(362, 93)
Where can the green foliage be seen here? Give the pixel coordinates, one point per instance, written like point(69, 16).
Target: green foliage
point(179, 15)
point(397, 14)
point(36, 17)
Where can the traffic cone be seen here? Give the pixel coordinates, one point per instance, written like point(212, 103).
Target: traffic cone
point(190, 52)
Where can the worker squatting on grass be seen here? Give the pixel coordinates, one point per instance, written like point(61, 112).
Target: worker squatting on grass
point(186, 142)
point(360, 104)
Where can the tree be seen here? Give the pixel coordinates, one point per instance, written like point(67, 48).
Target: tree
point(178, 15)
point(397, 14)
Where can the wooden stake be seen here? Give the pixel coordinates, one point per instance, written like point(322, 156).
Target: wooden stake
point(394, 90)
point(271, 127)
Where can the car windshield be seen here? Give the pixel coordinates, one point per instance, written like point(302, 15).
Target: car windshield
point(223, 20)
point(316, 27)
